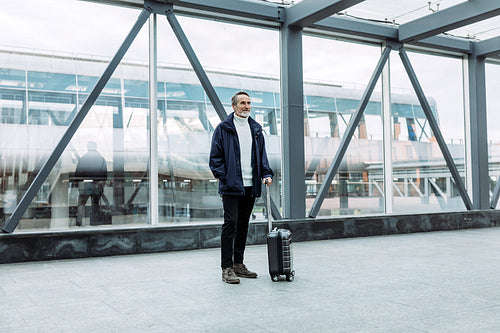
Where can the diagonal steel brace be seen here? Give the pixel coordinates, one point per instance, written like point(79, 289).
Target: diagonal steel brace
point(26, 200)
point(346, 139)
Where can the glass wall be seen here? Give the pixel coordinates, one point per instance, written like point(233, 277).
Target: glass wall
point(422, 180)
point(493, 116)
point(44, 84)
point(101, 177)
point(187, 190)
point(335, 81)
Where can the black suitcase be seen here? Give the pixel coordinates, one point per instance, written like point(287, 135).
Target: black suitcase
point(279, 248)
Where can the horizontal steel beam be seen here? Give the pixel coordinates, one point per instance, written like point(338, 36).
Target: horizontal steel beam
point(238, 8)
point(448, 19)
point(445, 43)
point(385, 31)
point(356, 27)
point(307, 12)
point(271, 15)
point(488, 47)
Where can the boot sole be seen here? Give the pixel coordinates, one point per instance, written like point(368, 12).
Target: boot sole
point(246, 276)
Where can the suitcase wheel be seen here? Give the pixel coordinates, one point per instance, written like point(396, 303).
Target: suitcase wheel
point(290, 276)
point(274, 277)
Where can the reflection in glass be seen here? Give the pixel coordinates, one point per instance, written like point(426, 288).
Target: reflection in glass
point(37, 105)
point(329, 107)
point(422, 180)
point(90, 177)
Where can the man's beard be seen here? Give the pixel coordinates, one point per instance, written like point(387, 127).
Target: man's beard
point(244, 114)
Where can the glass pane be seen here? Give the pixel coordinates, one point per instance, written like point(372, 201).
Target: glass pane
point(188, 193)
point(422, 180)
point(335, 81)
point(493, 116)
point(101, 177)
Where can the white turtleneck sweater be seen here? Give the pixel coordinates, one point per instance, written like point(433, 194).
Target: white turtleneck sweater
point(245, 139)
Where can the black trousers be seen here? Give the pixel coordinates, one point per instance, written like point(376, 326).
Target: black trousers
point(93, 190)
point(237, 211)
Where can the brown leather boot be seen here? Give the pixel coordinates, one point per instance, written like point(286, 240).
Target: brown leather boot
point(242, 271)
point(229, 276)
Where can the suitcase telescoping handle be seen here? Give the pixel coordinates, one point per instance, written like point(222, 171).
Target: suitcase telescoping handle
point(268, 207)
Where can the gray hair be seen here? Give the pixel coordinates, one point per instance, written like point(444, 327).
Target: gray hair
point(234, 99)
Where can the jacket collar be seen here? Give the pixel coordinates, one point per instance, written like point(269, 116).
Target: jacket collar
point(228, 124)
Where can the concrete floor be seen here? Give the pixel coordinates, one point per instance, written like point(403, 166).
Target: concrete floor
point(425, 282)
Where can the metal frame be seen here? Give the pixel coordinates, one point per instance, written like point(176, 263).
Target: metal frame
point(477, 135)
point(195, 63)
point(75, 124)
point(313, 16)
point(448, 19)
point(435, 128)
point(266, 14)
point(387, 137)
point(309, 11)
point(487, 47)
point(292, 123)
point(349, 132)
point(153, 123)
point(495, 195)
point(355, 118)
point(202, 76)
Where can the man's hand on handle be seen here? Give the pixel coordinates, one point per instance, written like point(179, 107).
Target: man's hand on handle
point(267, 181)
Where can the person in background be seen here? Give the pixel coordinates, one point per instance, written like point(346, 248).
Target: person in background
point(239, 161)
point(90, 174)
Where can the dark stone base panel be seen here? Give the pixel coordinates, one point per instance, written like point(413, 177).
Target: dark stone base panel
point(95, 242)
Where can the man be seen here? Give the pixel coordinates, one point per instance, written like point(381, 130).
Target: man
point(238, 160)
point(91, 174)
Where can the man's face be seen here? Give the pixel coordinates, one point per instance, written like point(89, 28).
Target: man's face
point(242, 107)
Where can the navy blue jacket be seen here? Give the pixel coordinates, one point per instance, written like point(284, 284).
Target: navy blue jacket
point(225, 158)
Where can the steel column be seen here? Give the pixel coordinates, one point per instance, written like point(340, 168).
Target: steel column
point(476, 133)
point(20, 209)
point(435, 128)
point(292, 123)
point(387, 138)
point(351, 128)
point(153, 123)
point(118, 149)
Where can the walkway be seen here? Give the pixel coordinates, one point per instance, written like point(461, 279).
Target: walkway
point(425, 282)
